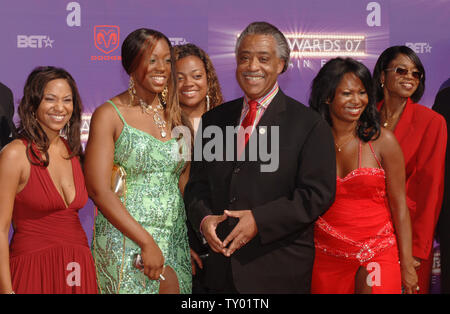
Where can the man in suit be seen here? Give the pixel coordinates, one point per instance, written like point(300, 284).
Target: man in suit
point(442, 106)
point(6, 115)
point(258, 220)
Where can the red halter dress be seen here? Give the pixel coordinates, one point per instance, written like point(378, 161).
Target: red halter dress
point(49, 252)
point(355, 232)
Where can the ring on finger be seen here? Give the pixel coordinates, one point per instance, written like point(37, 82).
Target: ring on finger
point(161, 277)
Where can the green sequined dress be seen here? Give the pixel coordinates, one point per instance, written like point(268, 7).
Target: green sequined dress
point(154, 200)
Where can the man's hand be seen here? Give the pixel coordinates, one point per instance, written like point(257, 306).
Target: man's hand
point(244, 231)
point(208, 228)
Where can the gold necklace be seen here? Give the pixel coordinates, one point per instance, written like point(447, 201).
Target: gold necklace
point(339, 147)
point(148, 109)
point(157, 118)
point(393, 118)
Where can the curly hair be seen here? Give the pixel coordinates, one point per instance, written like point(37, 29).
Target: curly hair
point(30, 129)
point(383, 63)
point(214, 91)
point(323, 90)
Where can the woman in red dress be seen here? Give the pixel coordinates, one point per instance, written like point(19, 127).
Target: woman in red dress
point(399, 79)
point(42, 189)
point(361, 238)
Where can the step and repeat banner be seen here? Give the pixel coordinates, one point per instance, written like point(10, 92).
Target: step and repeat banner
point(85, 38)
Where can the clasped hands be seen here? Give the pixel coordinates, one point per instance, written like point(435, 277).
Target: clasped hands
point(243, 232)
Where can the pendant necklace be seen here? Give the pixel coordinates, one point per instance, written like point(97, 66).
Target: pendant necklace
point(340, 147)
point(148, 109)
point(393, 118)
point(157, 118)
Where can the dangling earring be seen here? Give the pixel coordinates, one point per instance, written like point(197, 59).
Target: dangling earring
point(131, 90)
point(382, 85)
point(67, 128)
point(164, 94)
point(207, 103)
point(64, 132)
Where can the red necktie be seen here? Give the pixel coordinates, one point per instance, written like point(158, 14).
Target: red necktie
point(250, 118)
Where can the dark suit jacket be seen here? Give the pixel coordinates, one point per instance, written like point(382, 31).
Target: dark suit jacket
point(442, 106)
point(6, 115)
point(285, 203)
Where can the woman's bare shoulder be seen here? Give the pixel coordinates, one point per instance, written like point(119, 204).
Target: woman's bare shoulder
point(14, 149)
point(14, 153)
point(386, 136)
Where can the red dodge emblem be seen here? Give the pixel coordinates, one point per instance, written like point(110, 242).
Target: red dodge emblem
point(106, 37)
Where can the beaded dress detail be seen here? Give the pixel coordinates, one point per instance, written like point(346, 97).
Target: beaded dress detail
point(153, 198)
point(358, 225)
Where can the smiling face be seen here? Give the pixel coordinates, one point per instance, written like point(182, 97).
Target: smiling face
point(154, 71)
point(192, 81)
point(350, 99)
point(399, 85)
point(56, 106)
point(258, 65)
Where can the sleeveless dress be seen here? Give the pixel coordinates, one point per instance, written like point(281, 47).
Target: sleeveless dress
point(357, 231)
point(154, 200)
point(49, 251)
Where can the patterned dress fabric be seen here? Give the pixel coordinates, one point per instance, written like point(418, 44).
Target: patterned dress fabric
point(49, 251)
point(153, 198)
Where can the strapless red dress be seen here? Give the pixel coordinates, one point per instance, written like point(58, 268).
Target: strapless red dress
point(49, 252)
point(357, 231)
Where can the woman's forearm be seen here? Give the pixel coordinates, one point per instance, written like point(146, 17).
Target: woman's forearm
point(5, 273)
point(116, 213)
point(402, 225)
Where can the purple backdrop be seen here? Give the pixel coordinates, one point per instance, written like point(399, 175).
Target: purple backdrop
point(85, 38)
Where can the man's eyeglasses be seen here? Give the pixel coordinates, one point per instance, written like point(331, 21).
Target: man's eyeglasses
point(402, 71)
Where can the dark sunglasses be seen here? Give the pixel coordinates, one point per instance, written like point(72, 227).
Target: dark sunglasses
point(401, 71)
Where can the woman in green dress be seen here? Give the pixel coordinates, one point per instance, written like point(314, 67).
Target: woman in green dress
point(133, 130)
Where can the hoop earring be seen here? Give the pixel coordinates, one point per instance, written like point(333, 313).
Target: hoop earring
point(131, 90)
point(207, 103)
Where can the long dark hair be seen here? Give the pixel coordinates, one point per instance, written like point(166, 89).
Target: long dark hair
point(29, 127)
point(214, 91)
point(323, 90)
point(383, 63)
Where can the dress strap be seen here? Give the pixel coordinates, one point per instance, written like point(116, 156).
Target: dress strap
point(359, 154)
point(375, 155)
point(118, 112)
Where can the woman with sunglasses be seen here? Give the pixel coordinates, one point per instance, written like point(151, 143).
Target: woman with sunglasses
point(399, 79)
